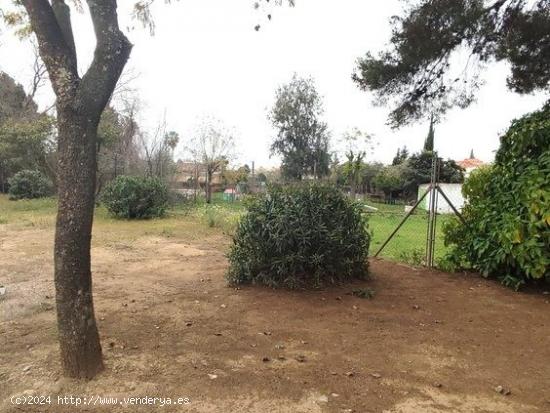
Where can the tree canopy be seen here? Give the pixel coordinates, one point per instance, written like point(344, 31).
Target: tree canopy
point(14, 102)
point(401, 156)
point(418, 74)
point(212, 145)
point(420, 169)
point(302, 135)
point(26, 136)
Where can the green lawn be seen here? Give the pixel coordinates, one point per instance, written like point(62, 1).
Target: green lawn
point(40, 214)
point(408, 244)
point(27, 213)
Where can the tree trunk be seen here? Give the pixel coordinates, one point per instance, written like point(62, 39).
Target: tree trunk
point(80, 102)
point(78, 335)
point(208, 186)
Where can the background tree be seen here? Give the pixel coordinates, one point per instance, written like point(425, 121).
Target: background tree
point(419, 171)
point(391, 180)
point(368, 172)
point(212, 145)
point(158, 152)
point(27, 143)
point(357, 144)
point(27, 137)
point(14, 102)
point(416, 72)
point(237, 177)
point(110, 131)
point(401, 156)
point(302, 137)
point(118, 151)
point(429, 142)
point(352, 170)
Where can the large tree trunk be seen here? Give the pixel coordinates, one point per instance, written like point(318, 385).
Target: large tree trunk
point(80, 102)
point(78, 335)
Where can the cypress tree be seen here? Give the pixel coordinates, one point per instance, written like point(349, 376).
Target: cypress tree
point(429, 142)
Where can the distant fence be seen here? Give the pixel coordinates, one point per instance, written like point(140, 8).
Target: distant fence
point(409, 243)
point(415, 234)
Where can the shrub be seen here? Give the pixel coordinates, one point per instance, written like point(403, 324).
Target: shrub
point(298, 237)
point(29, 184)
point(507, 233)
point(136, 197)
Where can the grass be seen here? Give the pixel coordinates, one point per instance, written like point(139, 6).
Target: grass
point(40, 214)
point(410, 241)
point(195, 221)
point(219, 214)
point(27, 213)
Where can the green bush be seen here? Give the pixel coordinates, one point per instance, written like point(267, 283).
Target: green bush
point(507, 212)
point(29, 184)
point(300, 237)
point(134, 197)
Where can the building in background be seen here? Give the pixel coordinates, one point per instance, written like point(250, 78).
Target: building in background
point(192, 175)
point(470, 164)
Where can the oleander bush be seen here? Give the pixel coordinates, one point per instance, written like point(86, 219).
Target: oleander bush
point(27, 184)
point(507, 212)
point(300, 236)
point(133, 197)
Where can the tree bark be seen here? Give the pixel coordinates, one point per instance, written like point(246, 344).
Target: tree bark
point(78, 334)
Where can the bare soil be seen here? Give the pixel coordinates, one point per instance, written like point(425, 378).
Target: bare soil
point(171, 327)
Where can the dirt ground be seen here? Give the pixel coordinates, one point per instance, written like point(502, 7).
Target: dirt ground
point(171, 327)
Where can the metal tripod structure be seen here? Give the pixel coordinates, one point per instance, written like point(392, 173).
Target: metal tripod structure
point(434, 190)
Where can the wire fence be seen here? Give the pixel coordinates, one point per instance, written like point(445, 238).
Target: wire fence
point(409, 243)
point(414, 234)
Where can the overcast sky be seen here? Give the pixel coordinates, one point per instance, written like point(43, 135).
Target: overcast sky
point(206, 59)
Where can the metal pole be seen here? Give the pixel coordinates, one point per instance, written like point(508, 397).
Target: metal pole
point(426, 257)
point(436, 203)
point(402, 222)
point(434, 226)
point(430, 233)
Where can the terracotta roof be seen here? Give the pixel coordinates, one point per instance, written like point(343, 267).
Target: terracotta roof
point(470, 163)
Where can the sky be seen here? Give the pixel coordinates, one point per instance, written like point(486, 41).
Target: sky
point(206, 59)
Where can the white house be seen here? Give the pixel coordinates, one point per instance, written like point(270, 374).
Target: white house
point(453, 192)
